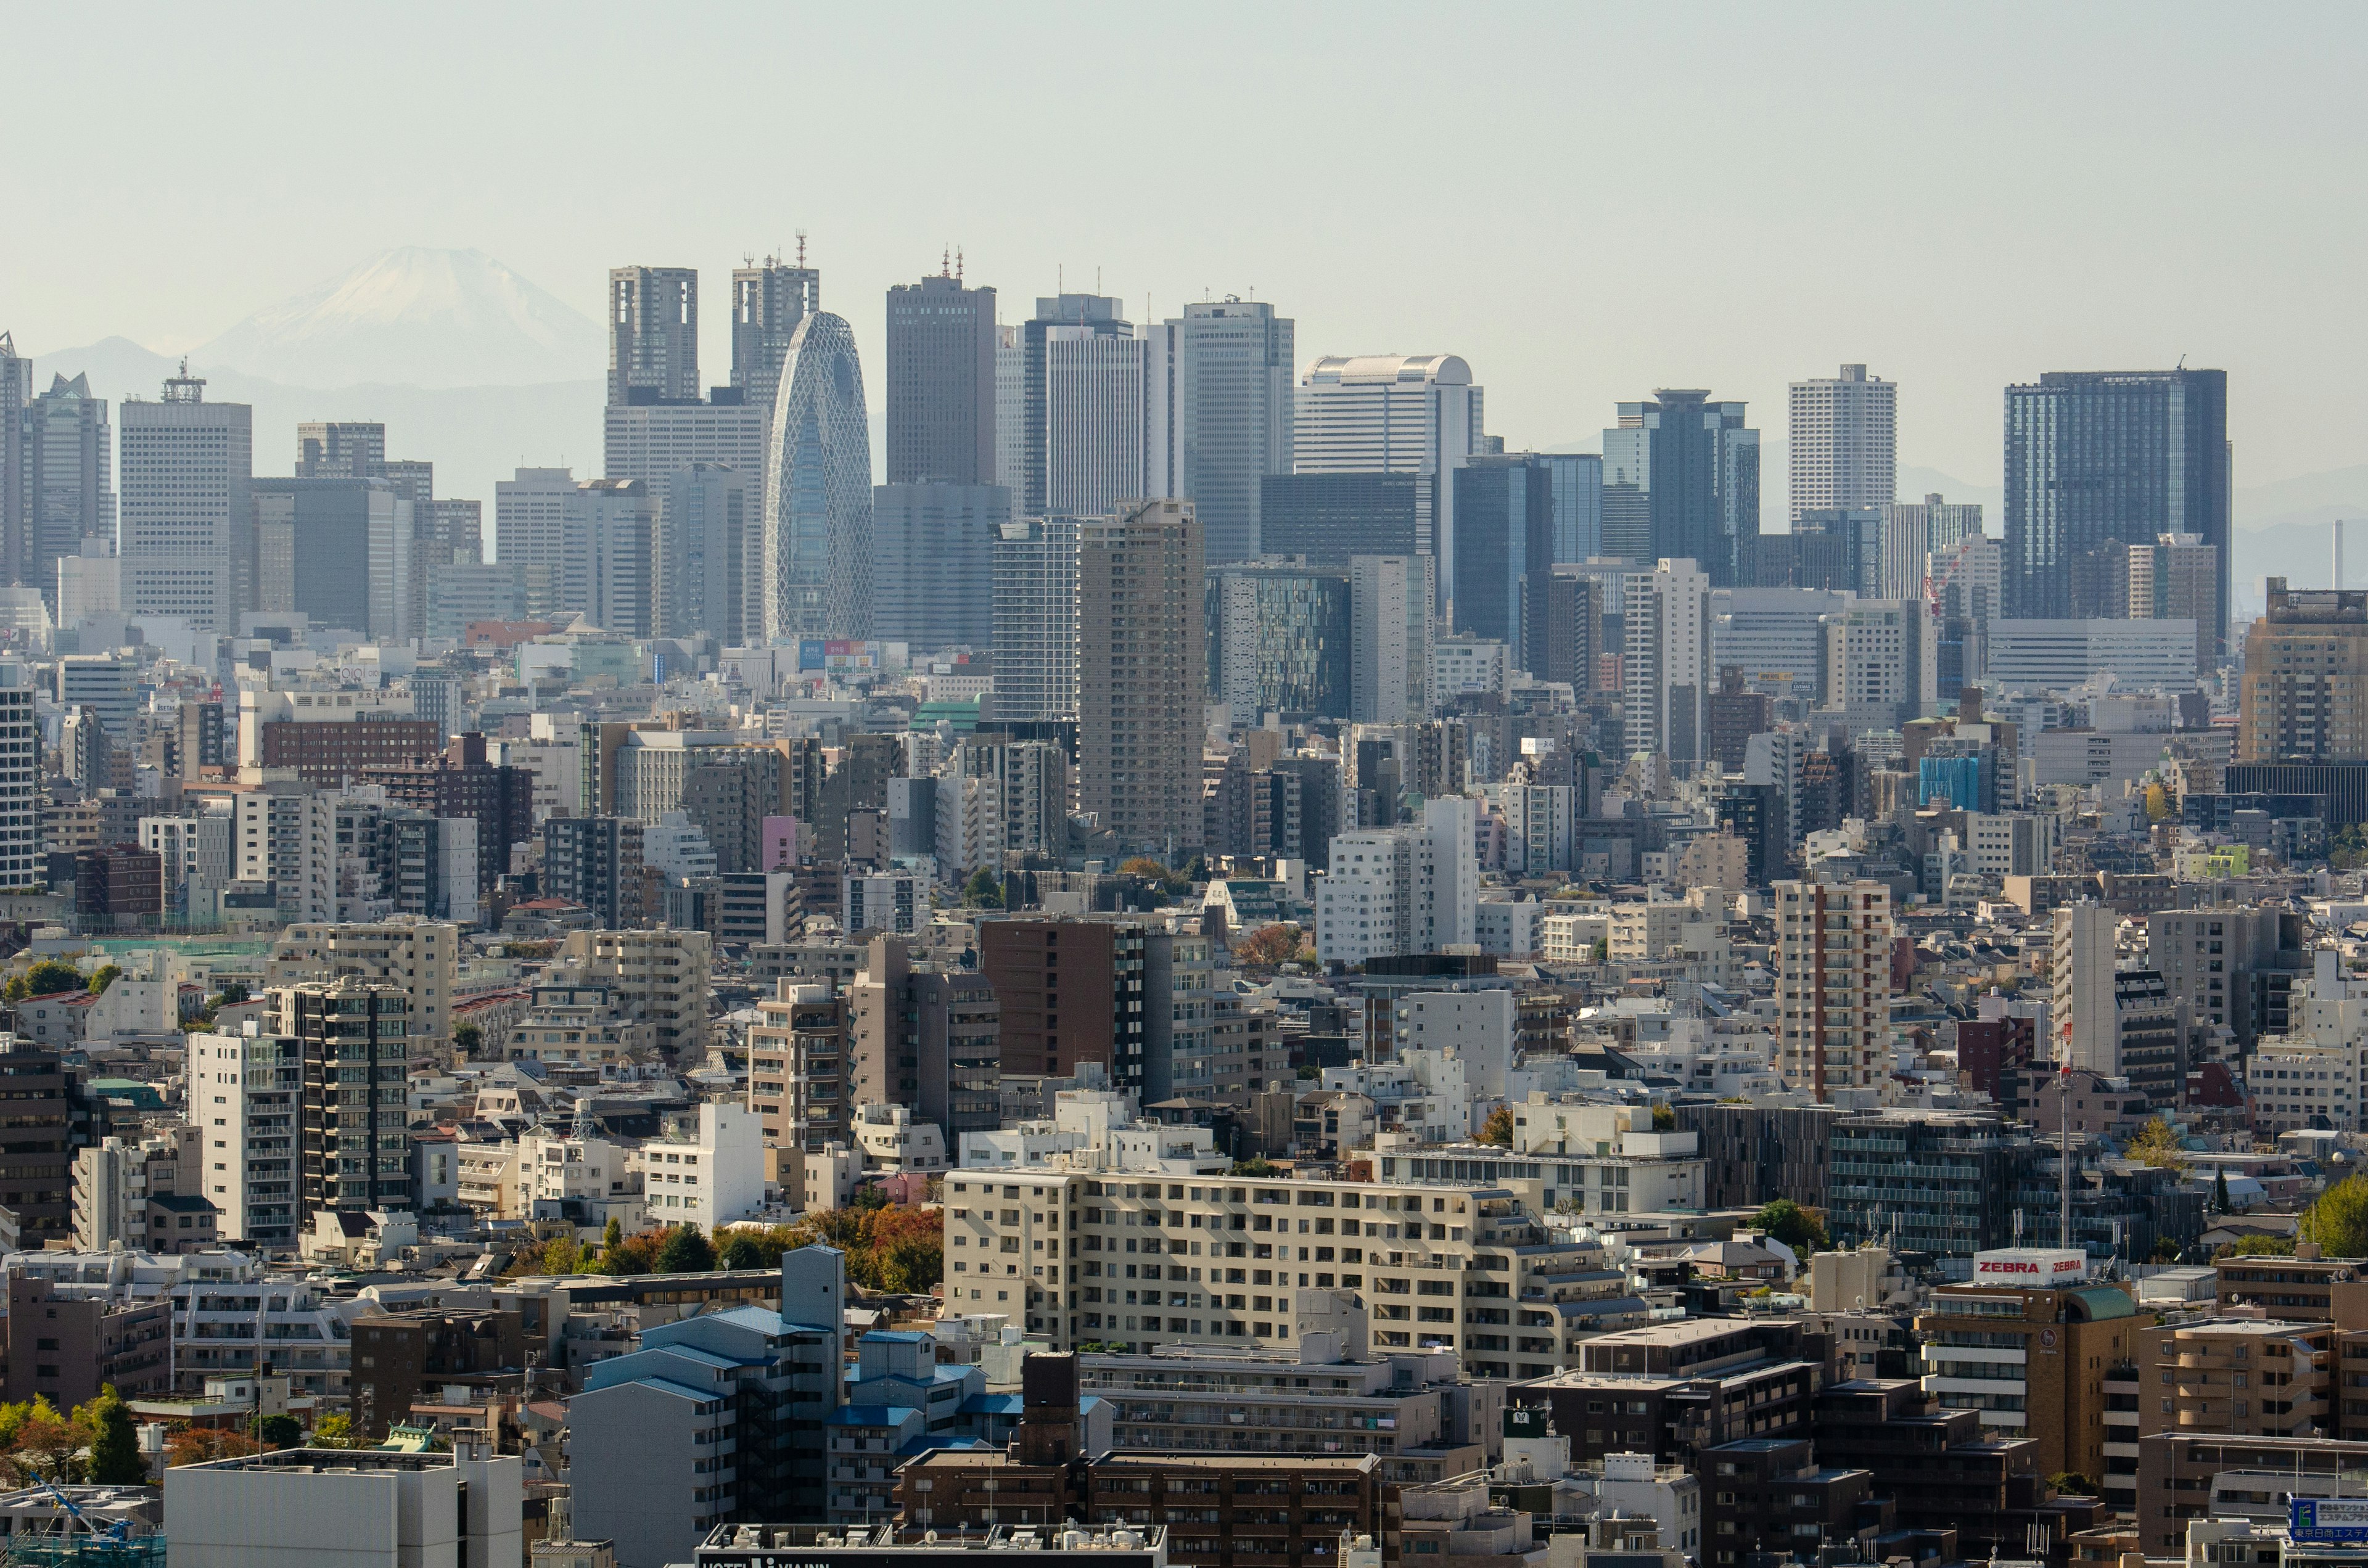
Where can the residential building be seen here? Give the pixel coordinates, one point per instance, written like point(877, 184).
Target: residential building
point(1681, 481)
point(284, 836)
point(816, 521)
point(247, 1092)
point(1140, 665)
point(1395, 891)
point(143, 1196)
point(705, 1176)
point(927, 1039)
point(1417, 414)
point(1101, 966)
point(1665, 661)
point(353, 1050)
point(1833, 963)
point(2305, 697)
point(940, 401)
point(2177, 578)
point(1219, 416)
point(66, 1343)
point(657, 977)
point(2100, 460)
point(597, 861)
point(1844, 442)
point(419, 958)
point(800, 1070)
point(1035, 627)
point(463, 783)
point(1389, 638)
point(186, 516)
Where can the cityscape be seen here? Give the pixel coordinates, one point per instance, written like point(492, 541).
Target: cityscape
point(986, 903)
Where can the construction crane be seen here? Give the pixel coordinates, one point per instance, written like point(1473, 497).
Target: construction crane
point(116, 1534)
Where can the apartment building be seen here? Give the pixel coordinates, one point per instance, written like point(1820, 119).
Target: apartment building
point(419, 958)
point(1833, 967)
point(800, 1071)
point(657, 977)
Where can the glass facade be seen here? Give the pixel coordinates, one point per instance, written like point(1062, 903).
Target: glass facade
point(1279, 643)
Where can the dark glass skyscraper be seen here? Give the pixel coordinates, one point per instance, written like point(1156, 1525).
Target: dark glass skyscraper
point(940, 382)
point(1681, 481)
point(1328, 517)
point(2097, 460)
point(1504, 546)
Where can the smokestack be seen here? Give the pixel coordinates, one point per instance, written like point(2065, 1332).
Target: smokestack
point(2338, 552)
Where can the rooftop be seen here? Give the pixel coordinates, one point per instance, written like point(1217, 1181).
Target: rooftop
point(1145, 1542)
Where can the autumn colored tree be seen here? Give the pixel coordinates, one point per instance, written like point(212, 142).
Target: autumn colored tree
point(1499, 1128)
point(1268, 947)
point(333, 1431)
point(203, 1445)
point(1143, 866)
point(2157, 1144)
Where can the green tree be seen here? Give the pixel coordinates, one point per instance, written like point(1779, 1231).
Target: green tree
point(686, 1251)
point(233, 993)
point(467, 1038)
point(612, 1234)
point(1256, 1165)
point(49, 977)
point(107, 975)
point(2166, 1250)
point(982, 891)
point(1601, 952)
point(279, 1431)
point(1801, 1229)
point(1499, 1128)
point(2257, 1246)
point(2220, 1189)
point(1143, 866)
point(2157, 1144)
point(744, 1251)
point(333, 1431)
point(1664, 1118)
point(2338, 1221)
point(2072, 1483)
point(114, 1447)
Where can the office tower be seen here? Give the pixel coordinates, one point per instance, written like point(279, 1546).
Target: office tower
point(530, 532)
point(933, 551)
point(1011, 409)
point(69, 478)
point(707, 557)
point(1967, 578)
point(1142, 668)
point(1665, 662)
point(1879, 663)
point(768, 300)
point(1853, 556)
point(1391, 892)
point(648, 441)
point(456, 528)
point(2178, 578)
point(1833, 982)
point(1577, 481)
point(1084, 408)
point(2098, 460)
point(340, 450)
point(1328, 517)
point(1283, 642)
point(652, 334)
point(941, 344)
point(604, 565)
point(1036, 619)
point(1394, 414)
point(1911, 533)
point(818, 519)
point(1389, 637)
point(1845, 441)
point(353, 1039)
point(1681, 481)
point(336, 551)
point(597, 861)
point(2041, 656)
point(2305, 692)
point(15, 524)
point(1504, 536)
point(1219, 416)
point(20, 777)
point(186, 517)
point(1570, 629)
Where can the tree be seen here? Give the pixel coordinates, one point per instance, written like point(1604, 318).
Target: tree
point(279, 1431)
point(1268, 947)
point(46, 1445)
point(49, 977)
point(203, 1445)
point(2158, 804)
point(233, 993)
point(2072, 1483)
point(2220, 1189)
point(1601, 951)
point(1499, 1128)
point(1256, 1165)
point(333, 1431)
point(1143, 866)
point(1664, 1118)
point(114, 1446)
point(2166, 1250)
point(982, 891)
point(744, 1251)
point(2337, 1221)
point(2257, 1246)
point(107, 975)
point(467, 1039)
point(613, 1233)
point(686, 1250)
point(2157, 1144)
point(1801, 1229)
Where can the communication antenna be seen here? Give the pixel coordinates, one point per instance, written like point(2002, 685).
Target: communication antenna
point(958, 264)
point(946, 262)
point(802, 247)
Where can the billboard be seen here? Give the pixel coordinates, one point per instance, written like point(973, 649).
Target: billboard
point(818, 654)
point(2328, 1518)
point(2032, 1267)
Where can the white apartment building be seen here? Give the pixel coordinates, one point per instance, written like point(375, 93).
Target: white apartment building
point(548, 1176)
point(20, 779)
point(194, 849)
point(1881, 664)
point(2018, 846)
point(1469, 666)
point(1509, 927)
point(707, 1178)
point(1844, 441)
point(1540, 826)
point(655, 977)
point(2081, 1014)
point(1036, 618)
point(1833, 985)
point(895, 1143)
point(113, 1179)
point(1400, 890)
point(1666, 671)
point(1475, 1027)
point(1390, 637)
point(1394, 414)
point(284, 832)
point(891, 904)
point(419, 958)
point(1644, 933)
point(247, 1096)
point(1571, 939)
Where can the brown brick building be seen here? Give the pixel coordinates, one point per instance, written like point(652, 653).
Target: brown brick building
point(400, 1358)
point(65, 1349)
point(462, 783)
point(1069, 990)
point(327, 753)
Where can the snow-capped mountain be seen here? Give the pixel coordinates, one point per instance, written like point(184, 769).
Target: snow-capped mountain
point(416, 317)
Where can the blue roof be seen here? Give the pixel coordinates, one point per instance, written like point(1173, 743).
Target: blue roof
point(931, 1442)
point(663, 1385)
point(993, 1405)
point(871, 1415)
point(895, 1337)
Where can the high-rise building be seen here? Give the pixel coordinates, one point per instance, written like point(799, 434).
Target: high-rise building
point(1036, 619)
point(15, 524)
point(604, 561)
point(768, 300)
point(1142, 668)
point(69, 478)
point(284, 835)
point(1912, 534)
point(941, 413)
point(340, 448)
point(1394, 414)
point(1218, 416)
point(817, 516)
point(1280, 643)
point(927, 1039)
point(187, 519)
point(1504, 537)
point(1070, 992)
point(2178, 578)
point(1391, 892)
point(1879, 665)
point(1578, 481)
point(1084, 408)
point(250, 1090)
point(596, 863)
point(1328, 517)
point(1389, 637)
point(1665, 659)
point(2305, 698)
point(2081, 974)
point(1011, 409)
point(1681, 481)
point(650, 440)
point(1845, 441)
point(530, 532)
point(933, 553)
point(1833, 984)
point(310, 536)
point(707, 559)
point(20, 777)
point(2098, 461)
point(652, 334)
point(353, 1138)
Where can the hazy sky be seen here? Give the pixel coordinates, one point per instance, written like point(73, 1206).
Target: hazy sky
point(1586, 202)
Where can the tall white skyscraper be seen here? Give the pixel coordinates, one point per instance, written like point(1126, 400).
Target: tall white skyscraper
point(1010, 411)
point(1393, 414)
point(1666, 659)
point(819, 490)
point(1036, 619)
point(605, 555)
point(1389, 637)
point(1844, 441)
point(15, 526)
point(530, 532)
point(186, 514)
point(1913, 532)
point(1082, 411)
point(1218, 416)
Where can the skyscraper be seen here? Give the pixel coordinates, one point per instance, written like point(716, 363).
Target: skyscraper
point(311, 535)
point(941, 339)
point(817, 518)
point(652, 334)
point(1394, 414)
point(340, 450)
point(531, 530)
point(187, 518)
point(15, 526)
point(1665, 662)
point(1389, 637)
point(707, 557)
point(1504, 539)
point(1141, 672)
point(1681, 481)
point(933, 563)
point(1329, 518)
point(1011, 410)
point(2305, 691)
point(2097, 460)
point(604, 562)
point(2177, 578)
point(1845, 441)
point(1083, 407)
point(1036, 619)
point(70, 467)
point(1219, 416)
point(1577, 478)
point(1282, 642)
point(768, 300)
point(1912, 533)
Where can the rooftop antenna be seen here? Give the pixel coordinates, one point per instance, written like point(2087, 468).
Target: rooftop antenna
point(958, 264)
point(946, 262)
point(802, 247)
point(2338, 552)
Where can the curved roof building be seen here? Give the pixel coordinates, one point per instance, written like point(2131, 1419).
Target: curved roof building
point(819, 490)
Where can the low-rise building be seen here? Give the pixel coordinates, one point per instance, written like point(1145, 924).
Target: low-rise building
point(368, 1507)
